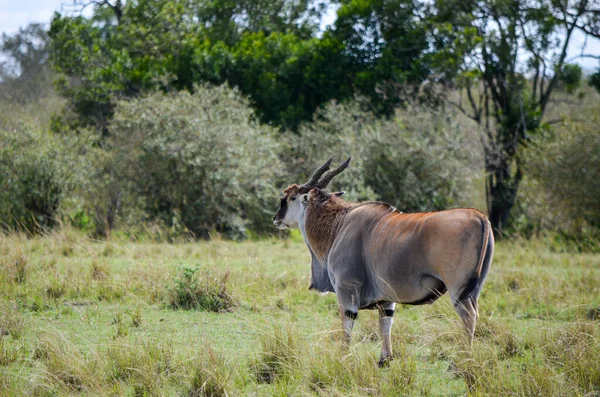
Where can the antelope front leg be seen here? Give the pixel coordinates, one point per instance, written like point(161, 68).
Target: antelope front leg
point(348, 318)
point(386, 319)
point(347, 297)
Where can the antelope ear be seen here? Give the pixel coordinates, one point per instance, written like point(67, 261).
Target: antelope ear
point(338, 194)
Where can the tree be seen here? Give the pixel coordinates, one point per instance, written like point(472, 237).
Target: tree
point(506, 58)
point(25, 75)
point(386, 44)
point(594, 80)
point(141, 46)
point(570, 77)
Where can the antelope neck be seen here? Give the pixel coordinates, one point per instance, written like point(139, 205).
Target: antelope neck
point(322, 225)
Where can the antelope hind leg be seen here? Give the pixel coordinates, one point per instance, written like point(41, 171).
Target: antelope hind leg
point(386, 319)
point(467, 312)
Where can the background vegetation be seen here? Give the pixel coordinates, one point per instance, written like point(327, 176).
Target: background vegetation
point(216, 318)
point(129, 133)
point(190, 115)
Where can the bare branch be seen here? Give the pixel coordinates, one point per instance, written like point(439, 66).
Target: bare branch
point(463, 111)
point(582, 56)
point(546, 95)
point(473, 104)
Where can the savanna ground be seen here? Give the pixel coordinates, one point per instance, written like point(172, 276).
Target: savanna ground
point(224, 318)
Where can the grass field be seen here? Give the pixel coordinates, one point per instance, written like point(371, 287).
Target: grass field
point(109, 318)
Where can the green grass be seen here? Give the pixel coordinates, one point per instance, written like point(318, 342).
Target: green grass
point(106, 318)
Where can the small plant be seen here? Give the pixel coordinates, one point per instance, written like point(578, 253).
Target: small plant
point(99, 270)
point(8, 352)
point(67, 249)
point(211, 377)
point(20, 269)
point(11, 321)
point(147, 364)
point(65, 366)
point(593, 313)
point(191, 291)
point(121, 327)
point(279, 354)
point(55, 288)
point(400, 379)
point(333, 370)
point(136, 317)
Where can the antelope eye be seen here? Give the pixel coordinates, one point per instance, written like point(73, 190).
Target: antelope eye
point(293, 199)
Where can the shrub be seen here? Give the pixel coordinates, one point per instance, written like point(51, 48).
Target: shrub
point(206, 292)
point(198, 161)
point(32, 180)
point(563, 190)
point(417, 161)
point(570, 77)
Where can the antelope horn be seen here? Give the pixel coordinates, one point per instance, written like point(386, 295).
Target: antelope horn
point(322, 184)
point(317, 174)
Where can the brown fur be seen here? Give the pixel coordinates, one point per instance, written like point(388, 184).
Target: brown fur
point(324, 215)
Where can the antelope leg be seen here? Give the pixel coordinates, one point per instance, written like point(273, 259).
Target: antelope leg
point(386, 319)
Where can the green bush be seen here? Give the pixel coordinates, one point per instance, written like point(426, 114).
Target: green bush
point(33, 179)
point(570, 77)
point(189, 290)
point(197, 161)
point(562, 192)
point(418, 160)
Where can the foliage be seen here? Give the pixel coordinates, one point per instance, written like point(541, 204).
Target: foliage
point(415, 161)
point(25, 74)
point(570, 77)
point(387, 49)
point(565, 188)
point(594, 80)
point(480, 47)
point(191, 291)
point(173, 45)
point(33, 179)
point(418, 162)
point(198, 161)
point(287, 78)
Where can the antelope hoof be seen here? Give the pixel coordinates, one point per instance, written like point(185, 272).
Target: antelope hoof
point(384, 362)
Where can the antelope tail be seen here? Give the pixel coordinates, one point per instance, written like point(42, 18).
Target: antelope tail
point(485, 244)
point(473, 286)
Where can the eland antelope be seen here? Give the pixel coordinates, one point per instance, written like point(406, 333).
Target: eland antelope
point(374, 256)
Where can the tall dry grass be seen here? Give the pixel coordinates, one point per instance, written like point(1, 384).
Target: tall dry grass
point(83, 317)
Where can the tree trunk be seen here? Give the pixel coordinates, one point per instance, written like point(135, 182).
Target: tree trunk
point(502, 188)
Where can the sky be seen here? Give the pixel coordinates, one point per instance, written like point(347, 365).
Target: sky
point(16, 14)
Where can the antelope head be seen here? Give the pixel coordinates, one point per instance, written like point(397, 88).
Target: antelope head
point(291, 208)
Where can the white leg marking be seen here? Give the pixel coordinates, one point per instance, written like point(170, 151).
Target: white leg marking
point(385, 325)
